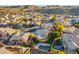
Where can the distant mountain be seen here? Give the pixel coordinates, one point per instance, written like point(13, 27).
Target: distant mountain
point(70, 10)
point(49, 9)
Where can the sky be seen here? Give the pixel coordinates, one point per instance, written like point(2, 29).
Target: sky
point(39, 2)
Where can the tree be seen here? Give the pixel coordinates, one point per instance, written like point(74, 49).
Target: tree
point(52, 36)
point(77, 50)
point(13, 23)
point(55, 35)
point(54, 18)
point(34, 39)
point(54, 51)
point(30, 19)
point(58, 27)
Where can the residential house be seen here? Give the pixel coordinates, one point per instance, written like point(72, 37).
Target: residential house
point(43, 46)
point(41, 33)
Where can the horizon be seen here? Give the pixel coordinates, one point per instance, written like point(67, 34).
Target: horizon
point(39, 5)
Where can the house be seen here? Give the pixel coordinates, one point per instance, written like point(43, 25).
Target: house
point(47, 26)
point(58, 47)
point(41, 33)
point(75, 20)
point(69, 30)
point(25, 37)
point(4, 34)
point(43, 46)
point(19, 39)
point(65, 23)
point(38, 51)
point(14, 40)
point(20, 24)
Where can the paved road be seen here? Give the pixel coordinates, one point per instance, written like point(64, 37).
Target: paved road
point(67, 42)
